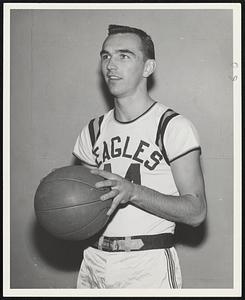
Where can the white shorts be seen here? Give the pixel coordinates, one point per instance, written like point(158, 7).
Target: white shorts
point(156, 268)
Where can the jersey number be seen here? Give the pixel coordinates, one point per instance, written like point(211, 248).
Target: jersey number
point(132, 174)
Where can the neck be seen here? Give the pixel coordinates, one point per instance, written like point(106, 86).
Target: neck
point(129, 108)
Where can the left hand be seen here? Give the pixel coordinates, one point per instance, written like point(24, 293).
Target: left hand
point(121, 188)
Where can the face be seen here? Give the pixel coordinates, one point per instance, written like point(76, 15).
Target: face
point(122, 64)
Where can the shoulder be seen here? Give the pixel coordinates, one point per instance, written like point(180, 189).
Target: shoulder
point(101, 118)
point(96, 124)
point(161, 108)
point(164, 113)
point(180, 137)
point(180, 123)
point(176, 134)
point(163, 116)
point(168, 118)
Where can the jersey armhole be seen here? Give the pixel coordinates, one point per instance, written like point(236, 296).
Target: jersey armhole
point(164, 120)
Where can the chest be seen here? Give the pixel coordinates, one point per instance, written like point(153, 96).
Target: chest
point(125, 145)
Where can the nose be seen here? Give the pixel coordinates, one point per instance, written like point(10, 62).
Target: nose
point(111, 65)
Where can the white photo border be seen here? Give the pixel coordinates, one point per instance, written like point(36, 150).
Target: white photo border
point(237, 280)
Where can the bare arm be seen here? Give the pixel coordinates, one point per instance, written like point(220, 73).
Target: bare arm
point(190, 207)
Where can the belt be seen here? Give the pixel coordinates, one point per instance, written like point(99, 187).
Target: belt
point(134, 243)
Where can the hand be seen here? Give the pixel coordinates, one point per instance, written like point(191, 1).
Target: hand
point(121, 189)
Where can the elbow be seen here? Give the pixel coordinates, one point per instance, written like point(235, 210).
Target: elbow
point(197, 221)
point(199, 218)
point(199, 215)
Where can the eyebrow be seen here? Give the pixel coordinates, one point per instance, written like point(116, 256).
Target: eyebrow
point(119, 50)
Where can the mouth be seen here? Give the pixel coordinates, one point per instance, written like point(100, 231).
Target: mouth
point(112, 77)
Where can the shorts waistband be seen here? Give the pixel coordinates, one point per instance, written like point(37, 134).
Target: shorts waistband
point(134, 243)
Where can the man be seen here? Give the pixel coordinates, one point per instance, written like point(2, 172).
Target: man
point(150, 158)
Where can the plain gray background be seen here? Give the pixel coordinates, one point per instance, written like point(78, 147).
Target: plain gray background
point(56, 88)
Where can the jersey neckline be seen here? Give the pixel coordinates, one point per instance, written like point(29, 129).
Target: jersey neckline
point(131, 121)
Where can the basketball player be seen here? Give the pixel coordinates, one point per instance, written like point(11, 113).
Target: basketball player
point(149, 156)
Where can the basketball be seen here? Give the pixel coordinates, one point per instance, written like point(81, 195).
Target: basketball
point(68, 205)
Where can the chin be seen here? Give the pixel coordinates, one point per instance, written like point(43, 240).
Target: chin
point(116, 93)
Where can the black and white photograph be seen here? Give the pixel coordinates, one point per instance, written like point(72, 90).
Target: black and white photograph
point(122, 149)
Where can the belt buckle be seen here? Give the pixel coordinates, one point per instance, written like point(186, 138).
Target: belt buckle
point(126, 244)
point(114, 245)
point(109, 245)
point(118, 245)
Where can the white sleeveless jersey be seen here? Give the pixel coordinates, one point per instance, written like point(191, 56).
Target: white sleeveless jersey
point(141, 151)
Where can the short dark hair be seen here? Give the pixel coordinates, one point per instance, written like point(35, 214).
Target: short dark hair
point(147, 43)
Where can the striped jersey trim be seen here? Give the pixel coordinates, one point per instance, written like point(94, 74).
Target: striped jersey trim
point(128, 122)
point(183, 154)
point(94, 127)
point(171, 269)
point(165, 119)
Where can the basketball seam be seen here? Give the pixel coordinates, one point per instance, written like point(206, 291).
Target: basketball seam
point(97, 216)
point(57, 208)
point(77, 180)
point(69, 179)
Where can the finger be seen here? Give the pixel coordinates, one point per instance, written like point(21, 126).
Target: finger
point(114, 205)
point(102, 173)
point(111, 194)
point(105, 183)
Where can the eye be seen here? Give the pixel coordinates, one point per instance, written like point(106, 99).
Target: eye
point(124, 56)
point(105, 56)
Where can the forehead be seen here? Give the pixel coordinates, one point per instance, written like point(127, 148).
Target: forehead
point(122, 41)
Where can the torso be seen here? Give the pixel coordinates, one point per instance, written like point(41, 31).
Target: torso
point(129, 149)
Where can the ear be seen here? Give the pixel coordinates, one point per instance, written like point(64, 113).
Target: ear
point(150, 66)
